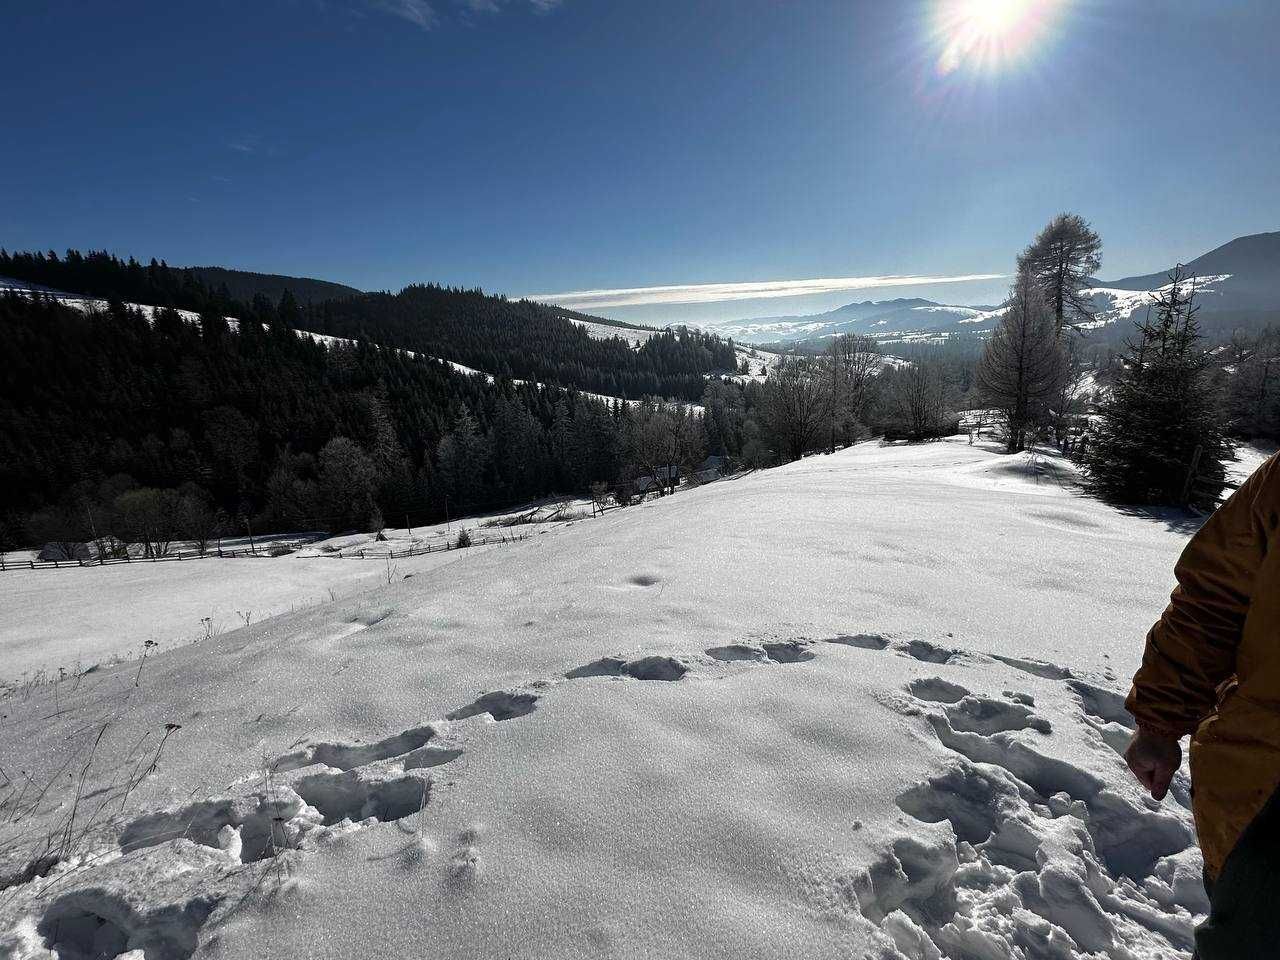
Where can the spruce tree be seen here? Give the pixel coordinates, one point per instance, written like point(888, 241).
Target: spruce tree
point(1159, 437)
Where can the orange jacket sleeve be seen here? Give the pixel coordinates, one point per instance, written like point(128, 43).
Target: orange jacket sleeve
point(1191, 650)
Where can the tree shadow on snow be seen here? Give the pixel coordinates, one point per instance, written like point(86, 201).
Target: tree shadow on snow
point(1175, 519)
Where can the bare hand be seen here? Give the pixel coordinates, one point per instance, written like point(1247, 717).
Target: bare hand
point(1154, 760)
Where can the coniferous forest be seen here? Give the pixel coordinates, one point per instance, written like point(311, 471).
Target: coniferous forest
point(519, 339)
point(114, 417)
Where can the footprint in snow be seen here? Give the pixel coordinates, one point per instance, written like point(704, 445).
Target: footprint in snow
point(937, 690)
point(865, 641)
point(786, 651)
point(927, 652)
point(1037, 668)
point(1102, 704)
point(734, 652)
point(985, 716)
point(500, 704)
point(644, 668)
point(346, 756)
point(1038, 839)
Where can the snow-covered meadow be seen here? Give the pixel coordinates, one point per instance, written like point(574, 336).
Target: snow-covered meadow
point(864, 705)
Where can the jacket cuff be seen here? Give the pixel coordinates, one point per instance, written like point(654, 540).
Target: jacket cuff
point(1163, 730)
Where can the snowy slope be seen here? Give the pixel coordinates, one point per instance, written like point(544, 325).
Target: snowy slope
point(86, 616)
point(864, 705)
point(1117, 304)
point(607, 331)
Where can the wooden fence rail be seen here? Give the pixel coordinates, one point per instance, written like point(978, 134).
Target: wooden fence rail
point(217, 553)
point(365, 553)
point(213, 553)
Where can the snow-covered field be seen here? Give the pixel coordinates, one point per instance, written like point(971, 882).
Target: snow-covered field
point(865, 705)
point(635, 336)
point(74, 618)
point(85, 616)
point(1116, 304)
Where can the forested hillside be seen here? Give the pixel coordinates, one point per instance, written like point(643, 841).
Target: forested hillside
point(99, 274)
point(525, 340)
point(110, 420)
point(519, 339)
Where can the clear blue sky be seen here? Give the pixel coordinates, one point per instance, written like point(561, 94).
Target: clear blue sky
point(544, 147)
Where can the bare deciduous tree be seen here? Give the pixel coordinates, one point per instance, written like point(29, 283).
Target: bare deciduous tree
point(148, 517)
point(1023, 365)
point(1067, 405)
point(918, 399)
point(798, 402)
point(853, 361)
point(667, 441)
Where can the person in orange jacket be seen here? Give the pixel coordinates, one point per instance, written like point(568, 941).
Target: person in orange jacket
point(1211, 670)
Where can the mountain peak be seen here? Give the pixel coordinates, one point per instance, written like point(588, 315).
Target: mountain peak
point(898, 303)
point(1253, 262)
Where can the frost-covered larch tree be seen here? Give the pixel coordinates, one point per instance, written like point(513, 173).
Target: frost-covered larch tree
point(1062, 260)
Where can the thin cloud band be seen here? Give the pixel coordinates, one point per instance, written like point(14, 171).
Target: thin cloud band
point(754, 290)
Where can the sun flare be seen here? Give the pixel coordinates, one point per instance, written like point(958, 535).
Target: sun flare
point(988, 34)
point(994, 18)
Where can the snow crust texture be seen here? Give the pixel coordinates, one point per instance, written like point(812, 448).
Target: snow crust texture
point(1041, 859)
point(864, 706)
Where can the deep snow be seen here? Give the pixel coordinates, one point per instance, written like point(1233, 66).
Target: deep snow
point(79, 617)
point(865, 705)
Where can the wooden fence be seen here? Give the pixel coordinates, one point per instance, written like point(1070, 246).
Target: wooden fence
point(177, 555)
point(364, 553)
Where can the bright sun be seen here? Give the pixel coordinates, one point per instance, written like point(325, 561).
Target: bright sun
point(994, 17)
point(987, 34)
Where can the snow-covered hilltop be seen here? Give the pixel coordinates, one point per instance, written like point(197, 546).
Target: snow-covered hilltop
point(863, 705)
point(889, 320)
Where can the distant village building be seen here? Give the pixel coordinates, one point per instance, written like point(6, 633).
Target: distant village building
point(668, 476)
point(60, 550)
point(712, 468)
point(71, 550)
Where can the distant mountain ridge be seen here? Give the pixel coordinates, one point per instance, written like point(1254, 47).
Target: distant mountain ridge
point(1252, 265)
point(245, 285)
point(1238, 284)
point(877, 318)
